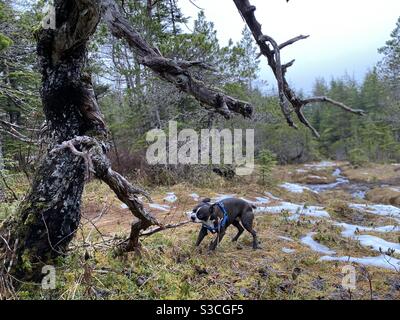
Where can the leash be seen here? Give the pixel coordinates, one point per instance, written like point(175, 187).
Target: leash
point(223, 222)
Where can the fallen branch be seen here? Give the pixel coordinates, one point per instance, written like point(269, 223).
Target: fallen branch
point(162, 228)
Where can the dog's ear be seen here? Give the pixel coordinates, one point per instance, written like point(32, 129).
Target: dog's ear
point(206, 200)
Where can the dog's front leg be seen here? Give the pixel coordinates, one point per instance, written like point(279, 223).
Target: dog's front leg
point(203, 232)
point(217, 240)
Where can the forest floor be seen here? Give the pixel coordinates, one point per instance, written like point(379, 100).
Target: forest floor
point(313, 221)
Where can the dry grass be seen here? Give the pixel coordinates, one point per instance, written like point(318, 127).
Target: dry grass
point(386, 195)
point(171, 268)
point(373, 173)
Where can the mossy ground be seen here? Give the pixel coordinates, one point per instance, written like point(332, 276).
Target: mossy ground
point(172, 268)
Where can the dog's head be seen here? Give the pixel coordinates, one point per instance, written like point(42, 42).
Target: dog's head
point(203, 212)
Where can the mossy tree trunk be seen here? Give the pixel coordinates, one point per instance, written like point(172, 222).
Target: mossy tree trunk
point(50, 214)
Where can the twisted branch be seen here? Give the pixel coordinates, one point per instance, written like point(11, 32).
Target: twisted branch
point(286, 94)
point(98, 163)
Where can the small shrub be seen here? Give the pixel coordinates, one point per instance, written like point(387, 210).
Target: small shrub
point(357, 157)
point(267, 161)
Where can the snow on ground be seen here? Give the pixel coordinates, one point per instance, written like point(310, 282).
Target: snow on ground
point(350, 230)
point(161, 207)
point(295, 188)
point(194, 196)
point(378, 209)
point(295, 209)
point(287, 250)
point(171, 197)
point(286, 238)
point(359, 194)
point(260, 201)
point(220, 197)
point(317, 177)
point(378, 244)
point(124, 206)
point(271, 196)
point(382, 261)
point(315, 246)
point(321, 165)
point(323, 187)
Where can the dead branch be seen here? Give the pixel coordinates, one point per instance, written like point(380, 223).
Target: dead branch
point(286, 94)
point(173, 71)
point(15, 134)
point(162, 228)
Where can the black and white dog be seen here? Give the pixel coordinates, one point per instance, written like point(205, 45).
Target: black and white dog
point(216, 218)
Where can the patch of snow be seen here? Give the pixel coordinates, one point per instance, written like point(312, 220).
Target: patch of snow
point(159, 207)
point(287, 250)
point(295, 188)
point(321, 165)
point(296, 209)
point(286, 238)
point(369, 241)
point(124, 206)
point(271, 196)
point(396, 189)
point(317, 177)
point(337, 172)
point(351, 229)
point(378, 244)
point(301, 171)
point(194, 196)
point(259, 201)
point(220, 197)
point(262, 200)
point(171, 197)
point(359, 194)
point(378, 209)
point(315, 246)
point(382, 261)
point(323, 187)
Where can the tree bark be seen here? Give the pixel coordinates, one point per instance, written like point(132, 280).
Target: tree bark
point(49, 216)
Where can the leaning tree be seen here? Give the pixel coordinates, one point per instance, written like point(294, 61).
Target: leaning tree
point(77, 135)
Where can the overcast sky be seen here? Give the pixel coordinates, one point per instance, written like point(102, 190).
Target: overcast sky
point(344, 34)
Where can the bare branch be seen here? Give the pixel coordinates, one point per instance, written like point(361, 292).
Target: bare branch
point(17, 135)
point(162, 228)
point(279, 74)
point(291, 41)
point(175, 72)
point(286, 94)
point(335, 103)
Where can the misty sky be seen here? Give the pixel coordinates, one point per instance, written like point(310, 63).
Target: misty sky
point(344, 34)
